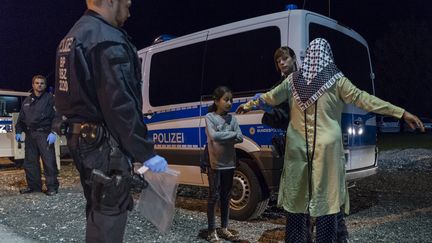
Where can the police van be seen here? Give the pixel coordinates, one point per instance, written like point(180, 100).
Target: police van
point(180, 75)
point(10, 105)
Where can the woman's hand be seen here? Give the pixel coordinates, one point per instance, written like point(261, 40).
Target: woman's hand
point(413, 121)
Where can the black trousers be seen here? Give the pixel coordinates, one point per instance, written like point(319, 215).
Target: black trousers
point(220, 184)
point(329, 228)
point(36, 147)
point(106, 220)
point(342, 231)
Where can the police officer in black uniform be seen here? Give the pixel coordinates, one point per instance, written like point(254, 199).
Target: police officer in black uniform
point(98, 97)
point(35, 118)
point(278, 116)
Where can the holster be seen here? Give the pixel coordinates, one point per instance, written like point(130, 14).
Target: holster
point(137, 183)
point(111, 194)
point(59, 126)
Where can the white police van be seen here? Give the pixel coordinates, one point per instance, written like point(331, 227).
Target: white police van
point(180, 74)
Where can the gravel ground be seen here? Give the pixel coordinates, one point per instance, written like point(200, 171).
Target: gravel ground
point(396, 204)
point(393, 206)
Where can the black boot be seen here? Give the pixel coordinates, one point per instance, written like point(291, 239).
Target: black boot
point(28, 190)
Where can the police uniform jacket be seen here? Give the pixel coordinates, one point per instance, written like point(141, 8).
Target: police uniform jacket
point(98, 79)
point(36, 113)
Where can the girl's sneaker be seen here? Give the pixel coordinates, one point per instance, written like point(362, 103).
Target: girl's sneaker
point(213, 237)
point(227, 235)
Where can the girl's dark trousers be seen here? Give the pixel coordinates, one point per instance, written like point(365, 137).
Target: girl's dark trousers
point(220, 184)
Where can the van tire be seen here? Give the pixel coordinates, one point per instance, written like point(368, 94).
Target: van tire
point(247, 200)
point(18, 163)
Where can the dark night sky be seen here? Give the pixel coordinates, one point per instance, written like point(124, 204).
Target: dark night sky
point(30, 31)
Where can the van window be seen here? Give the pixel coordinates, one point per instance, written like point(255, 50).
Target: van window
point(175, 75)
point(243, 61)
point(9, 104)
point(350, 56)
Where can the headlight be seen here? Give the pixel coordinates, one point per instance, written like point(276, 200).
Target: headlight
point(355, 131)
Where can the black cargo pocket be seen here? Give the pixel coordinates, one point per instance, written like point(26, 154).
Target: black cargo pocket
point(112, 198)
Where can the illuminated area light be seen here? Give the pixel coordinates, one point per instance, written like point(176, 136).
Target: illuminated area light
point(350, 131)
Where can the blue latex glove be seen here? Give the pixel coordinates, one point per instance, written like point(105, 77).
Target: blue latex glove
point(264, 106)
point(156, 164)
point(256, 97)
point(51, 138)
point(18, 137)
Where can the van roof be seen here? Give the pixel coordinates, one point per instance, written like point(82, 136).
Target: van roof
point(297, 13)
point(234, 25)
point(15, 93)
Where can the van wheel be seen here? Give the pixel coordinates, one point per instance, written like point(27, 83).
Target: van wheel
point(247, 200)
point(17, 162)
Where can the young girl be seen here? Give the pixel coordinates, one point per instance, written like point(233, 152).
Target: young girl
point(222, 132)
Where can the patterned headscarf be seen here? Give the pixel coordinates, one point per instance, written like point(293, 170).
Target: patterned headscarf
point(317, 73)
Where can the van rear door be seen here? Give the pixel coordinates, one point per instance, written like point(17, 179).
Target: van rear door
point(351, 54)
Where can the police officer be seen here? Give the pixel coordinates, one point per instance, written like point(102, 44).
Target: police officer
point(98, 97)
point(35, 118)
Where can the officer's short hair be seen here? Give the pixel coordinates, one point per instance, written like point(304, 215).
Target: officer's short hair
point(284, 51)
point(95, 2)
point(39, 77)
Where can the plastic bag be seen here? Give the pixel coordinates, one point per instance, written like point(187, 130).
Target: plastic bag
point(157, 201)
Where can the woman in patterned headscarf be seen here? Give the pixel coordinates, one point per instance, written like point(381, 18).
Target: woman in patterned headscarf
point(313, 178)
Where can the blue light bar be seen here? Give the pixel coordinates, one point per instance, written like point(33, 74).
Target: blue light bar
point(291, 7)
point(162, 38)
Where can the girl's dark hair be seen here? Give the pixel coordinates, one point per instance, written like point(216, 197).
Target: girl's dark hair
point(284, 51)
point(218, 93)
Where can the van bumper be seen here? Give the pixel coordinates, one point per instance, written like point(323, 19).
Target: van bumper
point(361, 173)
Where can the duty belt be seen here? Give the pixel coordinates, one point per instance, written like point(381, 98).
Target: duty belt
point(75, 128)
point(38, 129)
point(78, 128)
